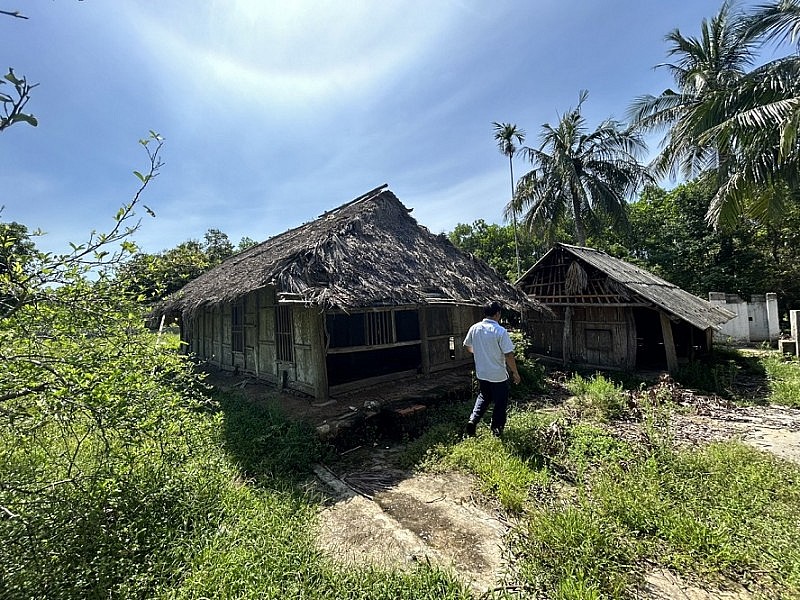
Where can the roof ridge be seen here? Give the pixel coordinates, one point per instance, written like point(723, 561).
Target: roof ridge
point(360, 198)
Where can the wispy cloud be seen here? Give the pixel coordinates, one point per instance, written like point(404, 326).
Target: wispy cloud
point(288, 54)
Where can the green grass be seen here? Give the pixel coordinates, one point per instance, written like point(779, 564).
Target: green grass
point(784, 379)
point(211, 510)
point(501, 473)
point(726, 511)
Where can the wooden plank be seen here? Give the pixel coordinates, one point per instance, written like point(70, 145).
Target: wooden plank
point(630, 328)
point(348, 349)
point(362, 383)
point(669, 343)
point(320, 367)
point(424, 343)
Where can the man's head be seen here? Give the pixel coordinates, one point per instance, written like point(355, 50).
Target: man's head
point(492, 309)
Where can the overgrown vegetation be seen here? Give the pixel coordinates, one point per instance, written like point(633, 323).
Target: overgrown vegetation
point(784, 379)
point(594, 510)
point(120, 477)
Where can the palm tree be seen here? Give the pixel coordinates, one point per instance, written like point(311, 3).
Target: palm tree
point(761, 116)
point(506, 134)
point(703, 67)
point(734, 126)
point(580, 174)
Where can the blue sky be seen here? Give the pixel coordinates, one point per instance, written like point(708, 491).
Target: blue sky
point(275, 111)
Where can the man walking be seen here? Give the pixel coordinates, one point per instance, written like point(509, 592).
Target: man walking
point(493, 350)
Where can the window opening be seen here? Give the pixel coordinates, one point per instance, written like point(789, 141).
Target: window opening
point(284, 338)
point(379, 328)
point(237, 326)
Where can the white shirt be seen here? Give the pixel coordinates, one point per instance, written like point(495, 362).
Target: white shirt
point(490, 343)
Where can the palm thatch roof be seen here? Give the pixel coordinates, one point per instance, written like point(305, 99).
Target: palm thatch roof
point(368, 252)
point(612, 281)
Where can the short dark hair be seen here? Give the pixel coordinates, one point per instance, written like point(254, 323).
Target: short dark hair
point(492, 309)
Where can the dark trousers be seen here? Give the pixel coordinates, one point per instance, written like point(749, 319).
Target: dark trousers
point(491, 392)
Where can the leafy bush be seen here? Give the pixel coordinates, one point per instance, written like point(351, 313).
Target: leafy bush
point(532, 373)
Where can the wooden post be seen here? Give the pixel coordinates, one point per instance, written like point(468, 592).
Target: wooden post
point(669, 343)
point(630, 326)
point(566, 340)
point(422, 311)
point(319, 353)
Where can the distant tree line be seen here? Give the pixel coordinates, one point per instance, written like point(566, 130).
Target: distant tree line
point(154, 276)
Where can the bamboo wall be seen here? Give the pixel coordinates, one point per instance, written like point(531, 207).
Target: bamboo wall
point(209, 335)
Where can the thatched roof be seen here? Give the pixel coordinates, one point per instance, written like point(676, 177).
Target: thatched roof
point(368, 252)
point(623, 283)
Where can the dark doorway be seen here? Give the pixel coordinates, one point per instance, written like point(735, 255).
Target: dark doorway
point(650, 352)
point(351, 366)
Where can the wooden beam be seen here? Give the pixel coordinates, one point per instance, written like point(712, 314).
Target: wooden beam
point(566, 340)
point(319, 324)
point(669, 343)
point(351, 349)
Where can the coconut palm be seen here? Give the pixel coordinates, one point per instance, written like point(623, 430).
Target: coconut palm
point(760, 116)
point(507, 137)
point(580, 174)
point(727, 123)
point(702, 68)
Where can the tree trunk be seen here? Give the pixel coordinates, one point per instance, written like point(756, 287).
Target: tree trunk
point(580, 228)
point(514, 213)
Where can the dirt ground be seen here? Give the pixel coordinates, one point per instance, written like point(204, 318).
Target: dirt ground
point(380, 515)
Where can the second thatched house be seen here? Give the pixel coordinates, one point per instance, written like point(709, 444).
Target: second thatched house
point(612, 314)
point(360, 294)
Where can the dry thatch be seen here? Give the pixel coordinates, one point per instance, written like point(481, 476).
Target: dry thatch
point(366, 253)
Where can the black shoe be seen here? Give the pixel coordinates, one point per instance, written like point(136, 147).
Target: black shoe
point(470, 428)
point(498, 433)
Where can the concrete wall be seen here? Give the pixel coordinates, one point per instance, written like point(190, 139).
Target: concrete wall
point(755, 321)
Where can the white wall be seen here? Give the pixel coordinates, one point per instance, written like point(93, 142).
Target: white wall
point(755, 321)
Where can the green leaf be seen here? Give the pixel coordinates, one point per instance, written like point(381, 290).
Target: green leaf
point(140, 176)
point(12, 78)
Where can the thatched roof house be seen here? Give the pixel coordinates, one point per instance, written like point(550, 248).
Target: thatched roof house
point(360, 293)
point(612, 314)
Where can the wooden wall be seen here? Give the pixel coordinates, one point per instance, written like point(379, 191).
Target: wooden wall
point(445, 328)
point(210, 333)
point(598, 336)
